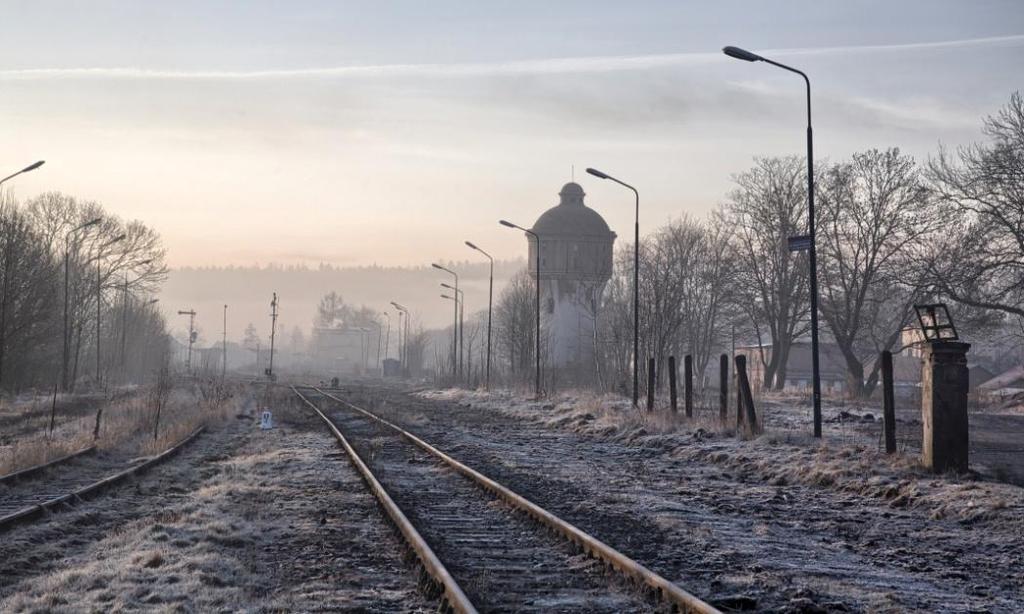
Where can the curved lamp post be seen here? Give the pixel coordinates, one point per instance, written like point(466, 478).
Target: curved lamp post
point(636, 282)
point(460, 297)
point(30, 167)
point(99, 298)
point(490, 300)
point(455, 324)
point(403, 351)
point(743, 54)
point(536, 352)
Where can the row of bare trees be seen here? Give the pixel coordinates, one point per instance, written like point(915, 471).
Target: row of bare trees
point(56, 250)
point(891, 232)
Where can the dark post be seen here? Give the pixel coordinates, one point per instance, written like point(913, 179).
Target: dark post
point(53, 410)
point(944, 423)
point(888, 404)
point(744, 394)
point(672, 384)
point(723, 387)
point(688, 383)
point(650, 384)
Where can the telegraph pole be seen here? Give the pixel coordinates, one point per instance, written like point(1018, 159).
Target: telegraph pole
point(191, 313)
point(273, 327)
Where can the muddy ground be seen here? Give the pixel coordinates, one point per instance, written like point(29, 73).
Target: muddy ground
point(241, 520)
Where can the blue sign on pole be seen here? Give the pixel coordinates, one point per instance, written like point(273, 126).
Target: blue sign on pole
point(799, 243)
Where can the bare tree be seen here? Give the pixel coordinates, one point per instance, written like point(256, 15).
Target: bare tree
point(980, 262)
point(874, 213)
point(770, 284)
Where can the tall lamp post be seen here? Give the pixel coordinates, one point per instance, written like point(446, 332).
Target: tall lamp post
point(124, 315)
point(452, 298)
point(812, 252)
point(99, 298)
point(387, 339)
point(404, 349)
point(636, 282)
point(455, 325)
point(490, 300)
point(536, 352)
point(67, 292)
point(460, 298)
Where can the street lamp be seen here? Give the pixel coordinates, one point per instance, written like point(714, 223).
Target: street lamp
point(460, 297)
point(387, 340)
point(809, 243)
point(490, 300)
point(403, 350)
point(99, 298)
point(67, 290)
point(636, 282)
point(536, 239)
point(124, 314)
point(455, 325)
point(30, 167)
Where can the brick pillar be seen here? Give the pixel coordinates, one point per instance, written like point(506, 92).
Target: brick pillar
point(944, 388)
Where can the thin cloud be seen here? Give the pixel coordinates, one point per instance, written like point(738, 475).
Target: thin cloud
point(525, 67)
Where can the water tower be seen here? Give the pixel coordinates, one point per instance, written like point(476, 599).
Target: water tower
point(575, 265)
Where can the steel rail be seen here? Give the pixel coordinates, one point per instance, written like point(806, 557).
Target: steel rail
point(24, 473)
point(33, 511)
point(682, 599)
point(454, 595)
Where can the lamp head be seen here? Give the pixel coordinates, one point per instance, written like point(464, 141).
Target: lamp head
point(507, 223)
point(91, 222)
point(597, 173)
point(741, 54)
point(471, 246)
point(34, 166)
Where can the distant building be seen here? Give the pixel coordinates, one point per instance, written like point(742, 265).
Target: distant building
point(575, 264)
point(832, 367)
point(343, 349)
point(1006, 384)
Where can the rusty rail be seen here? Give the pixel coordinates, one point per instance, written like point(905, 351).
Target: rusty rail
point(454, 595)
point(669, 591)
point(34, 511)
point(24, 473)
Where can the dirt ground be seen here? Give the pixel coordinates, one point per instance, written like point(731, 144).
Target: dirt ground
point(242, 520)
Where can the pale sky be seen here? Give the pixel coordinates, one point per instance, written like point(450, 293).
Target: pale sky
point(390, 132)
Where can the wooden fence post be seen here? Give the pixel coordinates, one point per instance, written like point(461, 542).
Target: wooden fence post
point(744, 394)
point(688, 382)
point(723, 387)
point(650, 384)
point(888, 403)
point(672, 384)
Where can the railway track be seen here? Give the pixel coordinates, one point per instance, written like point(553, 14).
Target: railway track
point(487, 548)
point(26, 499)
point(29, 472)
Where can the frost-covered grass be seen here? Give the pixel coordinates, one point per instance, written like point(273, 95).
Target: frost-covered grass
point(785, 454)
point(127, 425)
